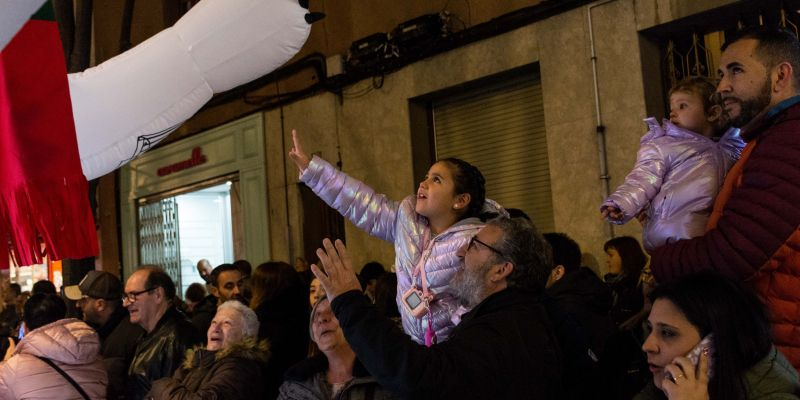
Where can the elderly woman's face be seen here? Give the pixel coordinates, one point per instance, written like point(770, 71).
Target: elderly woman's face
point(325, 327)
point(226, 328)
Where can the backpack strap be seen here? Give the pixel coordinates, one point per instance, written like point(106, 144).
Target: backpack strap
point(65, 375)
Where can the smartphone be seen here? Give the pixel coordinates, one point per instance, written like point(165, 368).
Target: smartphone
point(694, 354)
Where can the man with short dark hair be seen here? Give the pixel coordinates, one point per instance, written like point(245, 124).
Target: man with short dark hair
point(753, 233)
point(247, 287)
point(99, 298)
point(225, 283)
point(578, 303)
point(244, 267)
point(149, 295)
point(43, 286)
point(503, 348)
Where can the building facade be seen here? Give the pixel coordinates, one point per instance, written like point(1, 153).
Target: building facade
point(590, 73)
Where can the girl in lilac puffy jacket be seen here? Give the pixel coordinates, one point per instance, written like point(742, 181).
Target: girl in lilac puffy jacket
point(426, 229)
point(679, 168)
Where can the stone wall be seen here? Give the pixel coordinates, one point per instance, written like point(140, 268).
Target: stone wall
point(370, 134)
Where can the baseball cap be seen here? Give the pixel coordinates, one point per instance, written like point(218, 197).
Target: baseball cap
point(97, 284)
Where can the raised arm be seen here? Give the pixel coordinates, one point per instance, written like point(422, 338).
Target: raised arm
point(392, 358)
point(372, 212)
point(297, 154)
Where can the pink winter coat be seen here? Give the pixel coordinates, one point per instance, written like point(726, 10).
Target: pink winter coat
point(398, 223)
point(677, 175)
point(70, 344)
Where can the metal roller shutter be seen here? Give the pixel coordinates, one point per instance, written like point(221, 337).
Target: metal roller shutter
point(499, 128)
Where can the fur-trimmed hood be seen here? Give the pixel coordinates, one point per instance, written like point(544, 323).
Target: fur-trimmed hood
point(248, 349)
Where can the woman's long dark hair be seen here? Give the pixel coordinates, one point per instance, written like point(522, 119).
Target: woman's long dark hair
point(734, 314)
point(631, 253)
point(271, 279)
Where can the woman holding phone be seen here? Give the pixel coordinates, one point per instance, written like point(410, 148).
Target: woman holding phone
point(710, 339)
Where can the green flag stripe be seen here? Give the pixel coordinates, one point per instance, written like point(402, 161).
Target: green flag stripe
point(45, 12)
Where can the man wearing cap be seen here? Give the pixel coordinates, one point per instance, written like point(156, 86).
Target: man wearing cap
point(99, 297)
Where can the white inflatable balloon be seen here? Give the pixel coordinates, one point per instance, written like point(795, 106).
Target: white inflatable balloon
point(129, 103)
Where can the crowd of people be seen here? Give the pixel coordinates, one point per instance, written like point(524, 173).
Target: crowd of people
point(480, 304)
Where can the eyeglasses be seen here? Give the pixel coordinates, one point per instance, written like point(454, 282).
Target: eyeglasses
point(476, 240)
point(131, 297)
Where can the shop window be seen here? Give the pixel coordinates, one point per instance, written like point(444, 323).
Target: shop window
point(177, 231)
point(691, 46)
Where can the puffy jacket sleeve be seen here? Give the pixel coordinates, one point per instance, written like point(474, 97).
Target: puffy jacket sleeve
point(641, 184)
point(761, 215)
point(371, 212)
point(7, 376)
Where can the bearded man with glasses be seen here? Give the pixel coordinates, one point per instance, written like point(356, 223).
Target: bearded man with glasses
point(504, 348)
point(149, 297)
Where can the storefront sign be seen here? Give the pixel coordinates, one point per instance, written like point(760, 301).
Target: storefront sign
point(196, 159)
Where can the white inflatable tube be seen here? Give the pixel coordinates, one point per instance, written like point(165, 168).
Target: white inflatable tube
point(127, 104)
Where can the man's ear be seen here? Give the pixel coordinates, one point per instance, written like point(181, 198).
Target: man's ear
point(558, 272)
point(161, 293)
point(213, 290)
point(714, 113)
point(784, 77)
point(501, 271)
point(100, 304)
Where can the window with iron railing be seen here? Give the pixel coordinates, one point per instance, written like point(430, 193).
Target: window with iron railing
point(696, 52)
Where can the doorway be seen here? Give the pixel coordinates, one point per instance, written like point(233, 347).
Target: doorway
point(180, 228)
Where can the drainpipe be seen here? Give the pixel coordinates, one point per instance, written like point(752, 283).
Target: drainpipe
point(289, 230)
point(600, 129)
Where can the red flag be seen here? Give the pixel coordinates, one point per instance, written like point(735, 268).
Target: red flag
point(43, 193)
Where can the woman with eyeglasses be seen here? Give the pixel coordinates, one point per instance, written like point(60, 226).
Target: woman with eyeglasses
point(427, 228)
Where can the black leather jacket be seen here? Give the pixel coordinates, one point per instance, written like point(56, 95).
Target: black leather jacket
point(161, 352)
